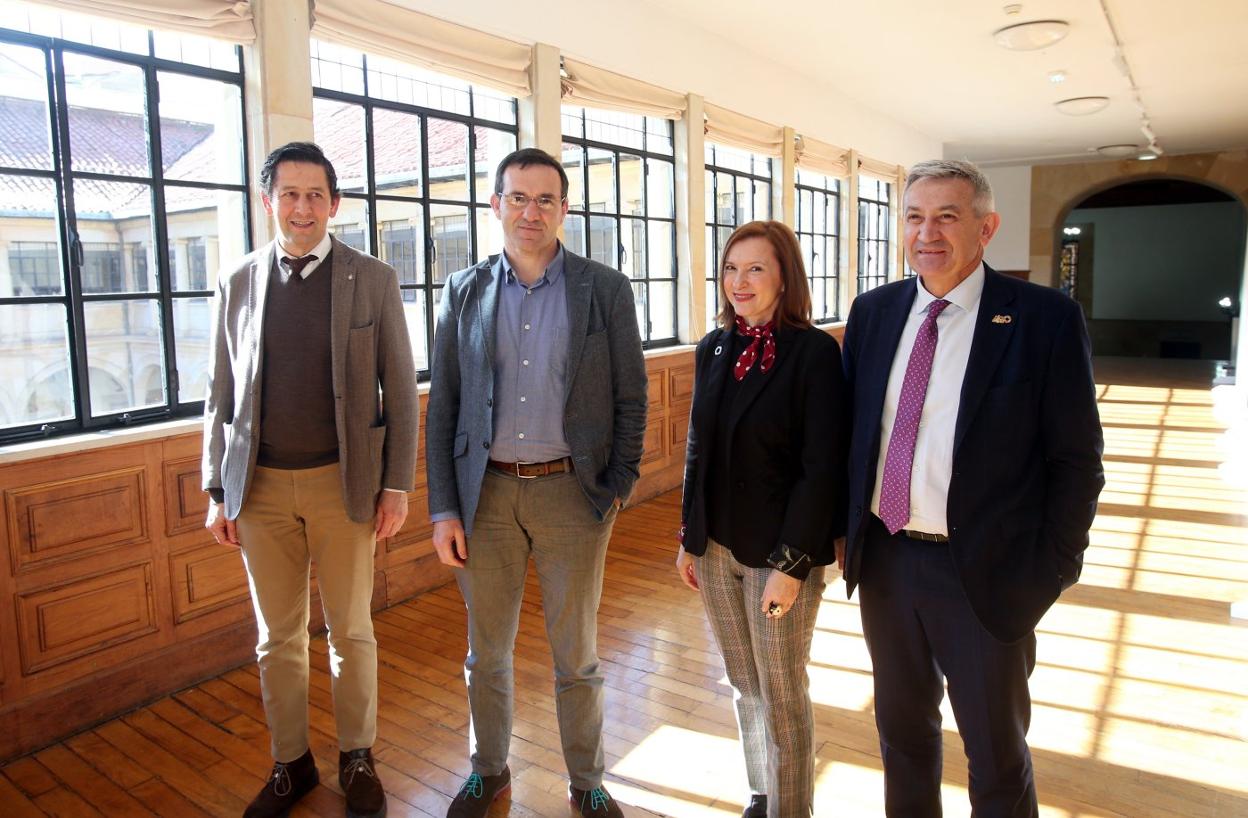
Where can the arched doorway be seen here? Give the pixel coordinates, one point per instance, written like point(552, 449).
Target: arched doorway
point(1150, 260)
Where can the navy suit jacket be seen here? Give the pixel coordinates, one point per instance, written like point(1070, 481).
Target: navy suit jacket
point(1027, 444)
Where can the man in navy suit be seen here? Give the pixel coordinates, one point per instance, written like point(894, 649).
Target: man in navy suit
point(975, 466)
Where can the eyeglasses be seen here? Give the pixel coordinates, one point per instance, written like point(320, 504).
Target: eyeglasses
point(521, 202)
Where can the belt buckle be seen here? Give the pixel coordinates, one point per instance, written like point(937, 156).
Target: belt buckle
point(520, 463)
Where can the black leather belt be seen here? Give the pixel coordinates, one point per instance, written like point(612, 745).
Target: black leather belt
point(923, 535)
point(528, 470)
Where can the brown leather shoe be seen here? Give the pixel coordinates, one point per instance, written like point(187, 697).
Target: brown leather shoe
point(287, 784)
point(595, 803)
point(477, 793)
point(357, 775)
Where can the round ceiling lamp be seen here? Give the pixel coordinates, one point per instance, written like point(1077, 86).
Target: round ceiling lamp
point(1031, 36)
point(1119, 151)
point(1082, 106)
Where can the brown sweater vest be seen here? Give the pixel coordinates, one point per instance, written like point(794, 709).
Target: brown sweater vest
point(297, 421)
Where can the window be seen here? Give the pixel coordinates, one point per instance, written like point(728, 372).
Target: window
point(738, 190)
point(119, 143)
point(622, 206)
point(415, 154)
point(819, 233)
point(874, 233)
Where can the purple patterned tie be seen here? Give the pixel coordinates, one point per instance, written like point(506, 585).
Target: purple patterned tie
point(895, 493)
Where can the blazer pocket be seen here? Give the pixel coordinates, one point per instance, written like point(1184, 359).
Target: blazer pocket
point(461, 444)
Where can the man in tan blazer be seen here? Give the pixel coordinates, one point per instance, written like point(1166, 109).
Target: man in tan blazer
point(309, 450)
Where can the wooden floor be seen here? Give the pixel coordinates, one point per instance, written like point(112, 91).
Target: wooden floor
point(1141, 692)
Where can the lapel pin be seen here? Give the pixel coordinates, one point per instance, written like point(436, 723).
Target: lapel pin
point(719, 349)
point(351, 277)
point(1002, 319)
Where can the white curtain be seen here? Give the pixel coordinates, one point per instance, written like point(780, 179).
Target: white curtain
point(730, 128)
point(583, 84)
point(880, 170)
point(822, 157)
point(224, 19)
point(402, 34)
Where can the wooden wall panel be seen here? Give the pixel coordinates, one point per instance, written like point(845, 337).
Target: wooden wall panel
point(186, 504)
point(84, 616)
point(68, 519)
point(205, 579)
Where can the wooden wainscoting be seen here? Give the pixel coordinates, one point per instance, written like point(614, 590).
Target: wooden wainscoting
point(114, 594)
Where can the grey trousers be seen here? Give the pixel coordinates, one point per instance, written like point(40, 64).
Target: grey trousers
point(550, 519)
point(766, 664)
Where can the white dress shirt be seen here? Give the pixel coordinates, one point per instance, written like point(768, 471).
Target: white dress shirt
point(321, 250)
point(933, 447)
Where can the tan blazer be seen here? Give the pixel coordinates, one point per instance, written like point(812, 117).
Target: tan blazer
point(371, 355)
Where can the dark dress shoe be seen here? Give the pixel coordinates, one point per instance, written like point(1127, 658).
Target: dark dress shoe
point(477, 793)
point(757, 807)
point(595, 803)
point(287, 783)
point(358, 778)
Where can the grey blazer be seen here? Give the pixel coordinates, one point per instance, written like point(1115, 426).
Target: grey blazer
point(371, 355)
point(604, 404)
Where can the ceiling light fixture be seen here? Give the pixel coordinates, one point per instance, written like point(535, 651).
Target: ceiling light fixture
point(1119, 60)
point(1057, 77)
point(1031, 36)
point(1082, 106)
point(1145, 157)
point(1118, 151)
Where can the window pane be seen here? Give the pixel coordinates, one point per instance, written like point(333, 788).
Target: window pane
point(603, 244)
point(448, 160)
point(452, 248)
point(205, 228)
point(403, 82)
point(712, 303)
point(125, 355)
point(107, 116)
point(339, 128)
point(30, 233)
point(573, 166)
point(659, 260)
point(574, 234)
point(188, 48)
point(337, 68)
point(492, 146)
point(201, 129)
point(110, 215)
point(417, 326)
point(494, 105)
point(571, 119)
point(615, 127)
point(401, 239)
point(659, 135)
point(191, 320)
point(633, 237)
point(350, 226)
point(601, 181)
point(34, 364)
point(762, 201)
point(630, 169)
point(489, 234)
point(661, 310)
point(660, 179)
point(74, 27)
point(24, 109)
point(396, 152)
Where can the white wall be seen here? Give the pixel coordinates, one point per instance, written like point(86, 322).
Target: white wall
point(1165, 262)
point(643, 41)
point(1011, 187)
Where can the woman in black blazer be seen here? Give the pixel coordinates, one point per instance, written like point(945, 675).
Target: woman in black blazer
point(764, 485)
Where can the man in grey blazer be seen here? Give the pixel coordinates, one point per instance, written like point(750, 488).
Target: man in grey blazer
point(306, 462)
point(536, 415)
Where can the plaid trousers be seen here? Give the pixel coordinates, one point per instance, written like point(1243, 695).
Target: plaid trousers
point(766, 664)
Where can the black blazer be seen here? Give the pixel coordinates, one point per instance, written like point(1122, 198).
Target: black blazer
point(789, 432)
point(1027, 444)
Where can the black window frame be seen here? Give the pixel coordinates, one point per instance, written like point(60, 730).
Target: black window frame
point(714, 224)
point(641, 285)
point(877, 211)
point(430, 286)
point(832, 280)
point(71, 254)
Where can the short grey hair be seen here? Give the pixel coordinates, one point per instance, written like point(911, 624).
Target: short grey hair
point(957, 169)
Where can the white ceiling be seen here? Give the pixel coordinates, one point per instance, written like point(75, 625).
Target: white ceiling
point(933, 66)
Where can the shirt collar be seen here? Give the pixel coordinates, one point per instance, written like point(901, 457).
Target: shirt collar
point(965, 296)
point(551, 275)
point(321, 250)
